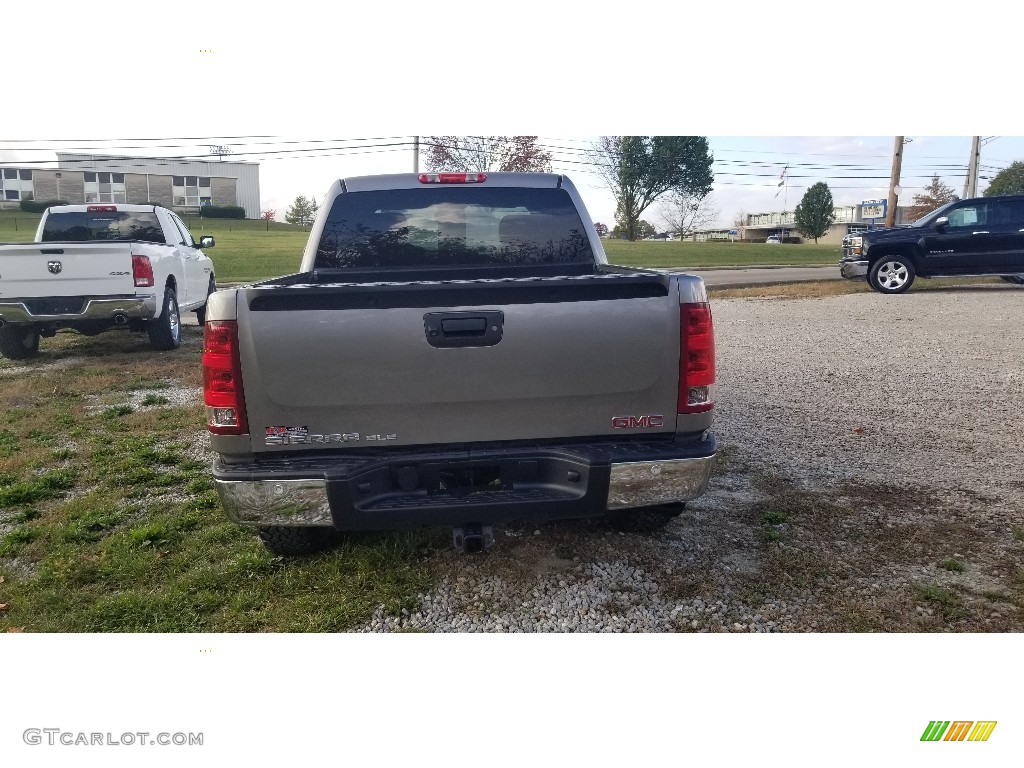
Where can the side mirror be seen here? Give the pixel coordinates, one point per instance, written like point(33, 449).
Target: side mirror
point(207, 241)
point(941, 222)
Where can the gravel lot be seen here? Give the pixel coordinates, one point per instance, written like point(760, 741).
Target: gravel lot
point(868, 481)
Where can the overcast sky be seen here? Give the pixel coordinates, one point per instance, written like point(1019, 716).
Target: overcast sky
point(209, 73)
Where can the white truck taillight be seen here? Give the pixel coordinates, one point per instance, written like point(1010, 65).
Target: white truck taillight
point(222, 379)
point(142, 270)
point(696, 358)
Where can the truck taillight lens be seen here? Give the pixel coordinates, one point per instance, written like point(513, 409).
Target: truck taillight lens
point(696, 358)
point(222, 379)
point(142, 269)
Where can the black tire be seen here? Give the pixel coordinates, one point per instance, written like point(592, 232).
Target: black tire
point(892, 274)
point(288, 540)
point(201, 312)
point(165, 331)
point(644, 519)
point(18, 342)
point(1015, 279)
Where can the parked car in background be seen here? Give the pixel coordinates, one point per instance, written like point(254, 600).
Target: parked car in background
point(97, 267)
point(981, 236)
point(772, 240)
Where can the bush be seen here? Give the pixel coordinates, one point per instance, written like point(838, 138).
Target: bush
point(38, 206)
point(222, 212)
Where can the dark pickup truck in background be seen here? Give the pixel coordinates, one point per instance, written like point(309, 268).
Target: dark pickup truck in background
point(457, 351)
point(979, 236)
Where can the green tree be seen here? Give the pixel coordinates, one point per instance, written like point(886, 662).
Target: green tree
point(1009, 181)
point(935, 195)
point(302, 211)
point(640, 169)
point(643, 229)
point(815, 213)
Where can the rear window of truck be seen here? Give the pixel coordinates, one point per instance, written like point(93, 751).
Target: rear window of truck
point(453, 227)
point(84, 226)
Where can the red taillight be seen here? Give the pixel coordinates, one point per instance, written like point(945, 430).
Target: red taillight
point(696, 358)
point(452, 178)
point(142, 270)
point(102, 209)
point(222, 379)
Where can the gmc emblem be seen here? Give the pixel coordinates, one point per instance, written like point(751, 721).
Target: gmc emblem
point(632, 422)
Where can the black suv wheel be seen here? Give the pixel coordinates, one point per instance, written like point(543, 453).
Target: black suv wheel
point(891, 274)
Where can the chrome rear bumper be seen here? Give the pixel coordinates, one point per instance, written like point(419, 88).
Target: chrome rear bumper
point(307, 502)
point(93, 308)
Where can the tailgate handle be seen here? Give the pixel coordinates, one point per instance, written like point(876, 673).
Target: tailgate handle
point(464, 329)
point(470, 326)
point(51, 251)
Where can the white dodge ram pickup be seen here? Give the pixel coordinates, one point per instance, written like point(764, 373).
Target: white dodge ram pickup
point(96, 267)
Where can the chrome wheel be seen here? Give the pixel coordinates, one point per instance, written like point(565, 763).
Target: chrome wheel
point(893, 275)
point(172, 315)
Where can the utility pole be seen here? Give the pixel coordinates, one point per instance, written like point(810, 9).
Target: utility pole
point(971, 182)
point(894, 182)
point(415, 154)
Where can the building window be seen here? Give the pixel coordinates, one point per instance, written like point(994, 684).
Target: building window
point(104, 187)
point(16, 184)
point(191, 191)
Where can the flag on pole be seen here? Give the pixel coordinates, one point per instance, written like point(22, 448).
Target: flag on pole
point(782, 179)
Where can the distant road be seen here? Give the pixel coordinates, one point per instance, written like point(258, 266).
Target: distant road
point(766, 275)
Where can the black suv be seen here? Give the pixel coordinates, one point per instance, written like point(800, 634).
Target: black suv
point(980, 236)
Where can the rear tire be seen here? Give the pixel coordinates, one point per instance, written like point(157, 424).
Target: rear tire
point(891, 274)
point(645, 519)
point(201, 312)
point(165, 331)
point(18, 342)
point(290, 540)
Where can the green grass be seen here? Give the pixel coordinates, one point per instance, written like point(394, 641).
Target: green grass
point(247, 251)
point(18, 227)
point(665, 255)
point(114, 525)
point(949, 603)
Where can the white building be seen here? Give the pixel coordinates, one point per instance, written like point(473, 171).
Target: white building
point(183, 185)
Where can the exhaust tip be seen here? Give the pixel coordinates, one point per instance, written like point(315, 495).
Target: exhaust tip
point(120, 319)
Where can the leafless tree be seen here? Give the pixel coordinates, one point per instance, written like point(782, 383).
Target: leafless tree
point(479, 154)
point(683, 213)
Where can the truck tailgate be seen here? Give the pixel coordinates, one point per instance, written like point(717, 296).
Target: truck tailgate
point(357, 366)
point(66, 269)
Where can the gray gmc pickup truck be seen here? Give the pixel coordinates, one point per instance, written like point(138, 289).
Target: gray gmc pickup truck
point(456, 351)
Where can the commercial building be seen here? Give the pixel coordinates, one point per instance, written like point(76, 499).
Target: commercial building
point(183, 185)
point(848, 218)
